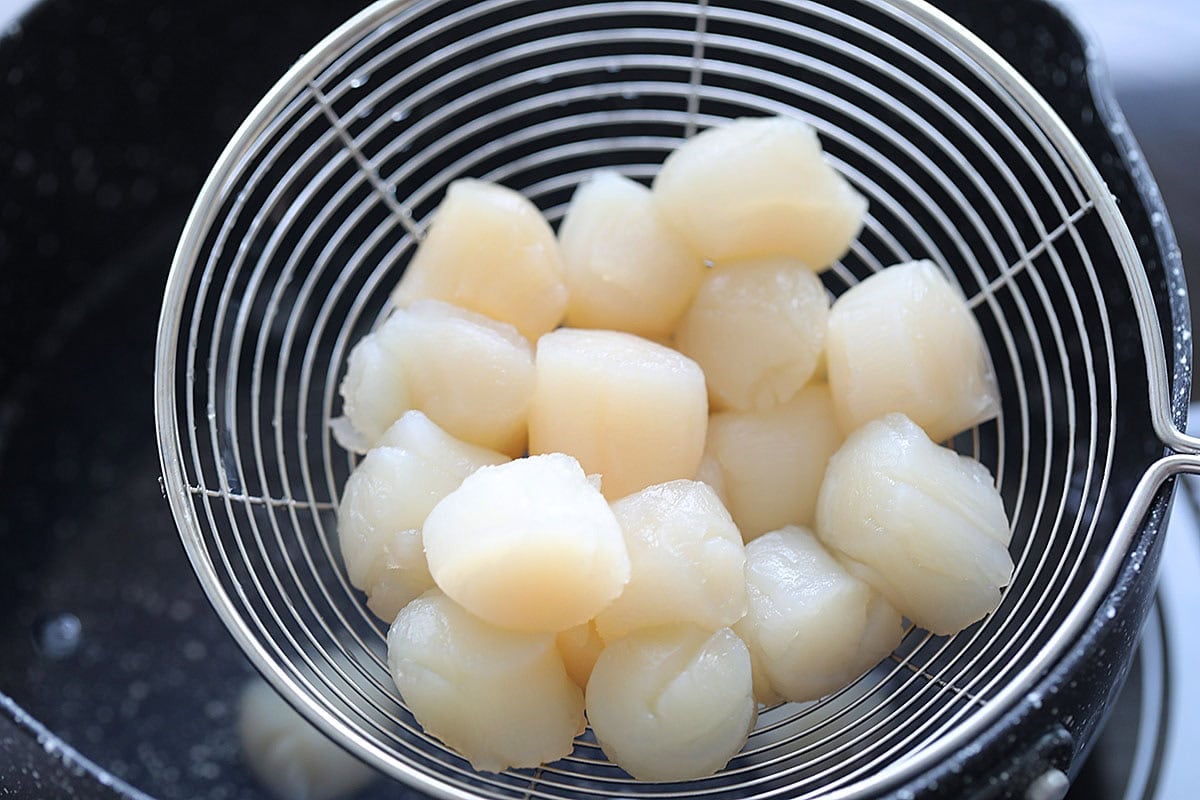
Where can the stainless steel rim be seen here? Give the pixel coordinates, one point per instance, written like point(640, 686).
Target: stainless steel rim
point(319, 199)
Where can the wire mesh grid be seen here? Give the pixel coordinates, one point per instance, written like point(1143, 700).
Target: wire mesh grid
point(318, 204)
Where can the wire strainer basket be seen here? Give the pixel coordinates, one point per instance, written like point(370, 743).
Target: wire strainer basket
point(311, 214)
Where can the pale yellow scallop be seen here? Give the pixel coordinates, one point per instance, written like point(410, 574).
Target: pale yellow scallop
point(905, 341)
point(773, 461)
point(471, 375)
point(625, 269)
point(530, 545)
point(757, 330)
point(500, 698)
point(672, 703)
point(922, 524)
point(812, 627)
point(759, 188)
point(627, 408)
point(490, 250)
point(687, 561)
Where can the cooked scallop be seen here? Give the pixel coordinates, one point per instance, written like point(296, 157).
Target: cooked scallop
point(405, 575)
point(812, 627)
point(922, 524)
point(757, 330)
point(626, 408)
point(530, 545)
point(905, 341)
point(490, 250)
point(471, 375)
point(290, 757)
point(386, 500)
point(773, 461)
point(672, 703)
point(625, 269)
point(759, 188)
point(709, 472)
point(500, 698)
point(374, 392)
point(687, 561)
point(579, 647)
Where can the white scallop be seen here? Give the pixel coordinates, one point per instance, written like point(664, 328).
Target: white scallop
point(374, 393)
point(290, 757)
point(672, 703)
point(387, 498)
point(922, 524)
point(811, 626)
point(757, 330)
point(773, 461)
point(905, 341)
point(625, 269)
point(687, 561)
point(759, 188)
point(500, 698)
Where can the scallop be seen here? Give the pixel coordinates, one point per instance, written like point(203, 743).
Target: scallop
point(759, 188)
point(405, 575)
point(710, 472)
point(374, 393)
point(672, 703)
point(625, 269)
point(687, 561)
point(812, 627)
point(773, 461)
point(757, 331)
point(500, 698)
point(530, 545)
point(290, 757)
point(385, 503)
point(489, 250)
point(471, 375)
point(905, 341)
point(579, 647)
point(922, 524)
point(629, 409)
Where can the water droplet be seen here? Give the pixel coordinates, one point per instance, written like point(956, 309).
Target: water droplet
point(399, 115)
point(612, 67)
point(358, 80)
point(1110, 612)
point(1156, 218)
point(365, 112)
point(58, 636)
point(629, 94)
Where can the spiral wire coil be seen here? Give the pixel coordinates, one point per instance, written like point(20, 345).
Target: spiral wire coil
point(317, 205)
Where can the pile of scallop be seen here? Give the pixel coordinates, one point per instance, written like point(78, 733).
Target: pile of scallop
point(643, 475)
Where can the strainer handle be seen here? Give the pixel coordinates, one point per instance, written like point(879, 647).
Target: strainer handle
point(1185, 460)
